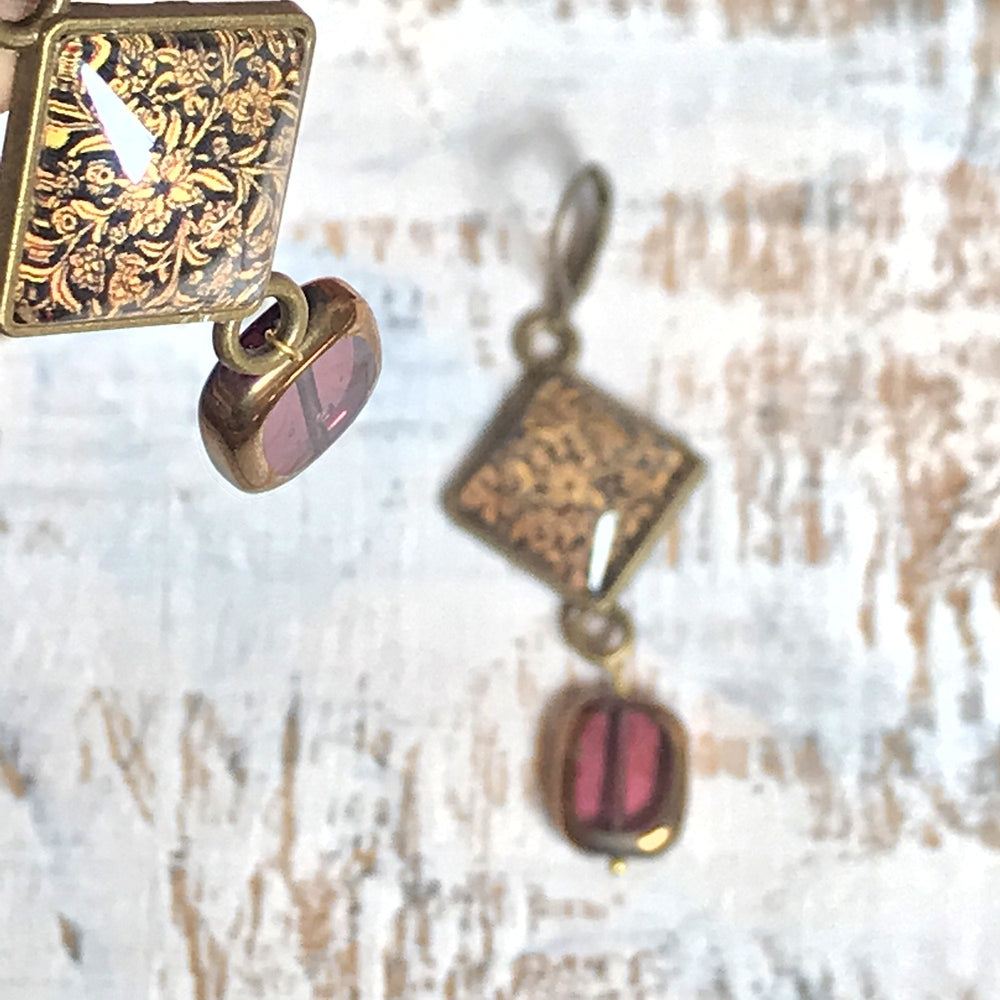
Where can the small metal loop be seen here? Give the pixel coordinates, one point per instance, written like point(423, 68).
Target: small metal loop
point(537, 323)
point(577, 236)
point(603, 636)
point(283, 342)
point(21, 34)
point(276, 342)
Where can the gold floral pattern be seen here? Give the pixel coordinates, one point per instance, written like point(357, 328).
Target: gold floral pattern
point(559, 455)
point(196, 233)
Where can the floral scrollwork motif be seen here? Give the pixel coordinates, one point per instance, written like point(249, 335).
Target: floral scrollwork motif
point(570, 455)
point(195, 233)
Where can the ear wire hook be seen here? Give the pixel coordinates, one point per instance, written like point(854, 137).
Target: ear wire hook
point(576, 238)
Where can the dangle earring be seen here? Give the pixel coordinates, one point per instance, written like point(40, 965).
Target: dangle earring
point(144, 170)
point(576, 487)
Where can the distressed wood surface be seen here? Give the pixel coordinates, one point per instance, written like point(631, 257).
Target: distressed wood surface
point(281, 746)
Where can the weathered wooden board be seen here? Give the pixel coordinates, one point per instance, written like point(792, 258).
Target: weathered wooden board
point(281, 746)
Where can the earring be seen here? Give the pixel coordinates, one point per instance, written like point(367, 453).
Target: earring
point(143, 175)
point(575, 487)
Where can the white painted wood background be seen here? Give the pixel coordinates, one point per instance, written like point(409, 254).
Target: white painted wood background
point(280, 746)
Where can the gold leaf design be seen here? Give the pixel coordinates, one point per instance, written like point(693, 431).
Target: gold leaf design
point(214, 180)
point(562, 455)
point(222, 108)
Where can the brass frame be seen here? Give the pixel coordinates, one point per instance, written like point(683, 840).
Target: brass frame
point(232, 408)
point(25, 127)
point(506, 416)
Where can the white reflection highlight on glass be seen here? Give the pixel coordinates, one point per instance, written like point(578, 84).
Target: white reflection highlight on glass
point(600, 553)
point(129, 138)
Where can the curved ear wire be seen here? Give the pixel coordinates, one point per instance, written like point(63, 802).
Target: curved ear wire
point(578, 233)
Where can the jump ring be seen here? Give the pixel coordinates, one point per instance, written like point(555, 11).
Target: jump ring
point(566, 345)
point(604, 636)
point(283, 343)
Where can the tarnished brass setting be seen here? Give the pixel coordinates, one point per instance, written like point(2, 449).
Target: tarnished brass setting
point(559, 456)
point(209, 95)
point(249, 422)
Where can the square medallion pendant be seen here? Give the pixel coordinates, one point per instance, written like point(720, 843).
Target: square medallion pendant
point(572, 485)
point(145, 164)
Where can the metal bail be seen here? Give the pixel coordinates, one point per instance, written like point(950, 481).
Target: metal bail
point(577, 237)
point(284, 341)
point(21, 34)
point(545, 337)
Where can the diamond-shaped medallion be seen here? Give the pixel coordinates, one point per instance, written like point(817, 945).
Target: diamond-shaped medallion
point(572, 485)
point(145, 164)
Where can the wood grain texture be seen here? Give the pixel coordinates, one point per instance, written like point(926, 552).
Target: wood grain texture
point(281, 746)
